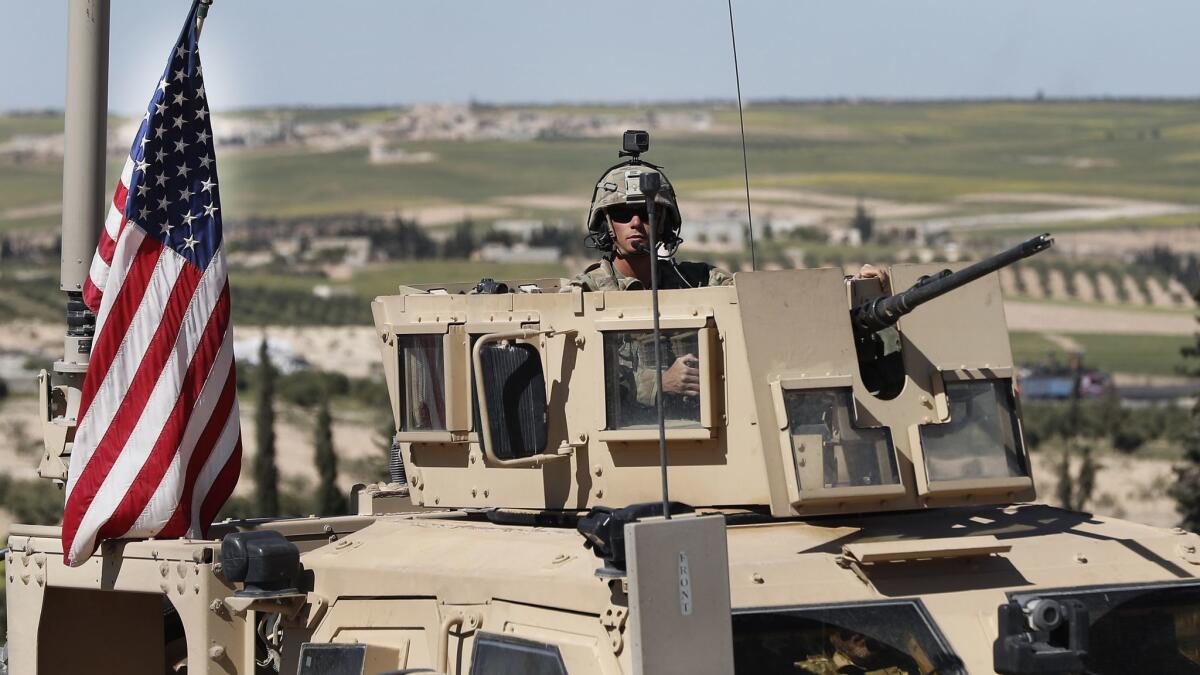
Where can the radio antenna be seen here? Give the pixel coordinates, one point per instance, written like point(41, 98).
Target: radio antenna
point(742, 122)
point(650, 184)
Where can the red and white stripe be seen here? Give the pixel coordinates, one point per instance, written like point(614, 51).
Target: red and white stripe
point(157, 449)
point(114, 224)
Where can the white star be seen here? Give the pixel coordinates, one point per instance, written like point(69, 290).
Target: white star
point(146, 116)
point(177, 121)
point(190, 242)
point(187, 220)
point(179, 75)
point(162, 85)
point(140, 165)
point(143, 212)
point(202, 137)
point(180, 98)
point(180, 145)
point(185, 194)
point(205, 161)
point(183, 170)
point(201, 113)
point(200, 91)
point(162, 204)
point(144, 141)
point(143, 189)
point(159, 154)
point(159, 109)
point(180, 51)
point(206, 185)
point(200, 70)
point(166, 228)
point(160, 179)
point(211, 210)
point(158, 131)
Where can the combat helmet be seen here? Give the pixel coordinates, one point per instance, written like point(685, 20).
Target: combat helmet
point(620, 184)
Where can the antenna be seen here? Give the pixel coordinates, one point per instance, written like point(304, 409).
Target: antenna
point(650, 184)
point(201, 15)
point(742, 122)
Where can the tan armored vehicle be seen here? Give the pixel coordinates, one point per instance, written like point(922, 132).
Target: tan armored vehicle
point(849, 491)
point(828, 527)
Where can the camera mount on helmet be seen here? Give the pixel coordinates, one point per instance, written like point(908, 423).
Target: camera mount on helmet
point(633, 143)
point(619, 184)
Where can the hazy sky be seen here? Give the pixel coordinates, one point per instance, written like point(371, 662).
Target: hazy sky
point(348, 52)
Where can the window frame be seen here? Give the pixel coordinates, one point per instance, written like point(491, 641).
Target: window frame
point(455, 369)
point(803, 497)
point(931, 624)
point(969, 486)
point(706, 338)
point(1067, 592)
point(509, 642)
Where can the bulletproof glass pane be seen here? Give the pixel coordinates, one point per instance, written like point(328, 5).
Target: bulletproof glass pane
point(331, 659)
point(504, 655)
point(515, 388)
point(630, 384)
point(422, 383)
point(1141, 629)
point(981, 440)
point(896, 638)
point(829, 451)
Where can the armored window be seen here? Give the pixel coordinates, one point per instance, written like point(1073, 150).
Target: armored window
point(422, 383)
point(630, 382)
point(982, 438)
point(505, 655)
point(1153, 628)
point(892, 637)
point(332, 659)
point(829, 451)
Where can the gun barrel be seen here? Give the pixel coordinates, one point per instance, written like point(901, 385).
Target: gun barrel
point(879, 313)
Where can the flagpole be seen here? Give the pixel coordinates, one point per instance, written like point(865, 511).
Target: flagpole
point(83, 207)
point(201, 15)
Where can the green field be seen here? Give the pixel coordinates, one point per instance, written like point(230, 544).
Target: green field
point(903, 151)
point(1143, 354)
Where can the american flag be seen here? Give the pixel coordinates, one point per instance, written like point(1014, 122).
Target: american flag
point(158, 444)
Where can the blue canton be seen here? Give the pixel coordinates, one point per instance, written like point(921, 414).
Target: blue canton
point(173, 192)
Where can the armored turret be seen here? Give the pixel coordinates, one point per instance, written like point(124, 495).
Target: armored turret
point(542, 397)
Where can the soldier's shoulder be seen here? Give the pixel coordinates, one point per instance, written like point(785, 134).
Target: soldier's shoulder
point(593, 277)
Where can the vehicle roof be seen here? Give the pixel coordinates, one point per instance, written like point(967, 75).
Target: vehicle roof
point(773, 563)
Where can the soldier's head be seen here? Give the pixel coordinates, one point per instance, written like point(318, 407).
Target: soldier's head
point(853, 645)
point(619, 215)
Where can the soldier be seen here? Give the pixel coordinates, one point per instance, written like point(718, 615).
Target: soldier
point(617, 222)
point(857, 654)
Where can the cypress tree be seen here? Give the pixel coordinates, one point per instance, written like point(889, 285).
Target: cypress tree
point(330, 501)
point(1186, 490)
point(1065, 490)
point(266, 475)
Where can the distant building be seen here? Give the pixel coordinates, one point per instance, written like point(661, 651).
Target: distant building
point(330, 291)
point(517, 253)
point(521, 229)
point(716, 235)
point(283, 357)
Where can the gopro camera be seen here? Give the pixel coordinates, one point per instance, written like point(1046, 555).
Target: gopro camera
point(634, 143)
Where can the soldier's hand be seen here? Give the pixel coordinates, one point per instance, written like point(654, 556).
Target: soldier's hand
point(683, 377)
point(872, 272)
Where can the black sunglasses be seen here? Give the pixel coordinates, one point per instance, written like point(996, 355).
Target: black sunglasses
point(624, 213)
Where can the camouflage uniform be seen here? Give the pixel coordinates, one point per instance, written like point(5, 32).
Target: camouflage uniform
point(603, 276)
point(634, 355)
point(840, 664)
